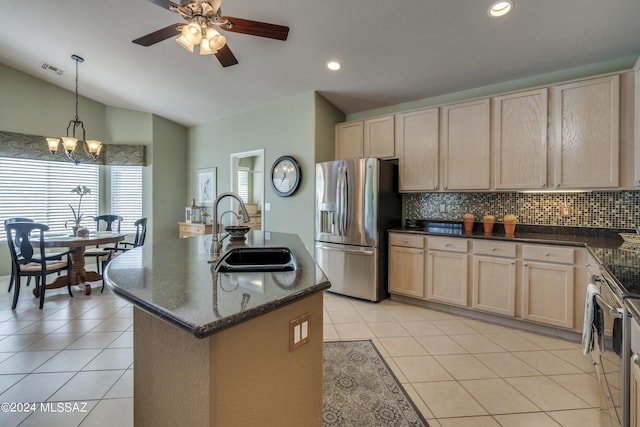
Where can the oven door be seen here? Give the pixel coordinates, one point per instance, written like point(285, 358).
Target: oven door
point(607, 357)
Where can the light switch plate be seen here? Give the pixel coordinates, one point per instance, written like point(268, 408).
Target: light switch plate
point(299, 331)
point(565, 211)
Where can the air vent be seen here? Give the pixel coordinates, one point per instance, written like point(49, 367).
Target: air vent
point(49, 67)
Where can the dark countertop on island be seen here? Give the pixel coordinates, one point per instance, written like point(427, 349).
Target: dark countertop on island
point(620, 259)
point(173, 281)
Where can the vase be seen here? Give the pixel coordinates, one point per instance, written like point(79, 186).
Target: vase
point(488, 226)
point(75, 229)
point(509, 228)
point(468, 225)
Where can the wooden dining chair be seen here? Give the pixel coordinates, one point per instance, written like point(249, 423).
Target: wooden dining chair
point(50, 256)
point(103, 223)
point(32, 262)
point(138, 240)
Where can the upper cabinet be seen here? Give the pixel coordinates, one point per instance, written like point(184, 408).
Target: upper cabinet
point(519, 136)
point(379, 138)
point(417, 144)
point(585, 132)
point(349, 140)
point(366, 138)
point(466, 145)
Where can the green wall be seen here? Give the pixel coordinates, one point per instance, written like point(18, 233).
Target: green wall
point(301, 126)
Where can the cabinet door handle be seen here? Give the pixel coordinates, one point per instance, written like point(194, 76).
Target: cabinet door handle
point(406, 241)
point(493, 249)
point(635, 358)
point(526, 264)
point(547, 254)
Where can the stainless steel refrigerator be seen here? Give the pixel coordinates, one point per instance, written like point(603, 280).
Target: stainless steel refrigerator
point(357, 200)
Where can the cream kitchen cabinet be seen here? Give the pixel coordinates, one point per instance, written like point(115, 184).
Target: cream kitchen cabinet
point(585, 133)
point(379, 137)
point(548, 285)
point(406, 264)
point(373, 137)
point(494, 277)
point(519, 138)
point(447, 270)
point(466, 145)
point(349, 140)
point(417, 143)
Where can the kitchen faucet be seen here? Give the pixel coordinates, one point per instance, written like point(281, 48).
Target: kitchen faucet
point(217, 238)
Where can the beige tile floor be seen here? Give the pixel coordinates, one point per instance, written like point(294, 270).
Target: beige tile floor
point(460, 372)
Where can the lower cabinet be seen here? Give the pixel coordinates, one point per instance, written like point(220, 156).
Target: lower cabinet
point(548, 285)
point(494, 277)
point(544, 284)
point(406, 264)
point(447, 270)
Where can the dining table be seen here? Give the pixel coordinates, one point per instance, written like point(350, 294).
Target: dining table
point(77, 245)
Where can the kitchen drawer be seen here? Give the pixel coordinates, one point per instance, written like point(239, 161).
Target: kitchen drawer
point(493, 248)
point(555, 254)
point(406, 240)
point(451, 244)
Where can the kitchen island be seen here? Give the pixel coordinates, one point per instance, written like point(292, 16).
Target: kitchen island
point(213, 349)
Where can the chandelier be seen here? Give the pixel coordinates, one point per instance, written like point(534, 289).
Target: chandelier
point(201, 18)
point(91, 147)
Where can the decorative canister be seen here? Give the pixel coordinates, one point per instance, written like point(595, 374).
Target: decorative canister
point(487, 222)
point(510, 222)
point(468, 219)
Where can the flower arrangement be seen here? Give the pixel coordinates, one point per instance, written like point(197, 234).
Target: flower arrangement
point(487, 223)
point(488, 218)
point(81, 190)
point(469, 216)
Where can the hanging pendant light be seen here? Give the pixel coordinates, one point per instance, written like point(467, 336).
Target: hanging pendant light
point(69, 142)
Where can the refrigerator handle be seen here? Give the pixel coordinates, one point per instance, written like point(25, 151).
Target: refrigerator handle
point(339, 201)
point(342, 201)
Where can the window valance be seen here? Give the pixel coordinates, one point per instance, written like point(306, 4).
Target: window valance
point(24, 146)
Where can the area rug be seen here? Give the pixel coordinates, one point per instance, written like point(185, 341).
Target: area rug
point(361, 390)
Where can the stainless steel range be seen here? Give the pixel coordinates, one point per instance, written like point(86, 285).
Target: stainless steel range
point(612, 347)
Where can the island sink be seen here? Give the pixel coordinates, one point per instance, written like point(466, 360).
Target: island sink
point(256, 259)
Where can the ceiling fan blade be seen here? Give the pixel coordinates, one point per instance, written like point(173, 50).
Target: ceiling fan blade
point(226, 57)
point(255, 28)
point(166, 4)
point(158, 36)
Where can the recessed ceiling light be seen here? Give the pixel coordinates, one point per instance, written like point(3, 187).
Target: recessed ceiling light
point(334, 65)
point(500, 8)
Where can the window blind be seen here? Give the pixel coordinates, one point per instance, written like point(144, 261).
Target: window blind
point(41, 190)
point(243, 184)
point(126, 195)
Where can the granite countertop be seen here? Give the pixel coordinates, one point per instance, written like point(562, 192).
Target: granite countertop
point(173, 281)
point(621, 260)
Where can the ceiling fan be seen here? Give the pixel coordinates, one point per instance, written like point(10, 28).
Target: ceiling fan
point(202, 16)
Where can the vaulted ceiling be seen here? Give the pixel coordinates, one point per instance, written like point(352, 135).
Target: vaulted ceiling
point(391, 51)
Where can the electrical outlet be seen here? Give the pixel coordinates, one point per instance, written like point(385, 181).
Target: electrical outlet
point(299, 331)
point(565, 211)
point(443, 208)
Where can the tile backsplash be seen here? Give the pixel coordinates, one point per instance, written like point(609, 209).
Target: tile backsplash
point(603, 209)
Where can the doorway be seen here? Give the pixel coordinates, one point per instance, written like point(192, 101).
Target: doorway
point(247, 180)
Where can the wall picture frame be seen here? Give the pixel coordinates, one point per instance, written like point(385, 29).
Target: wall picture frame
point(207, 186)
point(187, 214)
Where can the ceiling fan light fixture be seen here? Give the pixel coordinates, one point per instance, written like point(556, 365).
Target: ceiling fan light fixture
point(500, 8)
point(185, 43)
point(192, 32)
point(212, 42)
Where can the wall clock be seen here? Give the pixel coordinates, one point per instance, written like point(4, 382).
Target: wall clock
point(285, 176)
